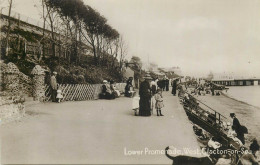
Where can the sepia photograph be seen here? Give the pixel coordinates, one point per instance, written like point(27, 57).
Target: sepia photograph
point(130, 82)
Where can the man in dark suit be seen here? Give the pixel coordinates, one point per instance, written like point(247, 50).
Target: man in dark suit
point(237, 127)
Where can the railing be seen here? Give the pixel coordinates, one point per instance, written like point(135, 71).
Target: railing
point(78, 92)
point(208, 119)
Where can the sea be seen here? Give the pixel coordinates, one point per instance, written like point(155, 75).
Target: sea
point(247, 94)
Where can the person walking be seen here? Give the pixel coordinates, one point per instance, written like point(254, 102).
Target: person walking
point(145, 97)
point(167, 84)
point(159, 102)
point(54, 87)
point(174, 87)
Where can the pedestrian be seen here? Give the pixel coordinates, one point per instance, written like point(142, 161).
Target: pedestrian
point(238, 128)
point(54, 87)
point(159, 102)
point(167, 81)
point(174, 87)
point(145, 97)
point(212, 88)
point(163, 84)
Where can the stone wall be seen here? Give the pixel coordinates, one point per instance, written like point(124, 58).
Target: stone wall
point(11, 108)
point(15, 82)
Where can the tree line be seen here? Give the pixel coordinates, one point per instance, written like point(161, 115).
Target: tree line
point(81, 25)
point(75, 26)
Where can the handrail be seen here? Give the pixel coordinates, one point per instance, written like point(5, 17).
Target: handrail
point(205, 104)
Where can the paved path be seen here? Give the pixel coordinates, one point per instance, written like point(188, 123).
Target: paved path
point(95, 132)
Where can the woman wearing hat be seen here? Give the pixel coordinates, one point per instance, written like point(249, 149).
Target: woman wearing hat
point(106, 91)
point(145, 97)
point(174, 87)
point(237, 128)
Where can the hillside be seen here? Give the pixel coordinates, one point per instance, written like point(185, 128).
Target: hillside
point(28, 47)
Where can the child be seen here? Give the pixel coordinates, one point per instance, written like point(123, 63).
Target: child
point(59, 94)
point(136, 100)
point(159, 102)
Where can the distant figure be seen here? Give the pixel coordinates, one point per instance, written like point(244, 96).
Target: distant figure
point(145, 97)
point(238, 128)
point(174, 87)
point(159, 102)
point(54, 87)
point(159, 84)
point(212, 90)
point(129, 85)
point(113, 88)
point(153, 87)
point(59, 94)
point(163, 84)
point(135, 104)
point(254, 147)
point(130, 81)
point(167, 81)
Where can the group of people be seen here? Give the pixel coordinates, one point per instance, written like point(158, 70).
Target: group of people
point(163, 84)
point(147, 92)
point(109, 90)
point(150, 93)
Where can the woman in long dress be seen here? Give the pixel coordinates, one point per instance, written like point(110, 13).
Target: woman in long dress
point(174, 87)
point(145, 97)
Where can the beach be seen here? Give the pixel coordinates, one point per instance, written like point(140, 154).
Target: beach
point(247, 114)
point(247, 94)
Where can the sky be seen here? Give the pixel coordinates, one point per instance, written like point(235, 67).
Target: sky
point(199, 36)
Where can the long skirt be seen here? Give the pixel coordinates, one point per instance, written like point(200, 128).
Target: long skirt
point(145, 106)
point(174, 90)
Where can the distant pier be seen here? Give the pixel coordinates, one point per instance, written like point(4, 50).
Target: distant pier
point(238, 82)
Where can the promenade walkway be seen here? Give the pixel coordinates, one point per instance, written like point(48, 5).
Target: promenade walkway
point(100, 131)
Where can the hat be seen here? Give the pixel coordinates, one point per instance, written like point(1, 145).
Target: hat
point(232, 114)
point(54, 72)
point(147, 77)
point(104, 81)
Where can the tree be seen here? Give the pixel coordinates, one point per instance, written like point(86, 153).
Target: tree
point(123, 50)
point(9, 26)
point(136, 63)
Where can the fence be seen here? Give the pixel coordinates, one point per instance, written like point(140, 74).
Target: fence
point(78, 92)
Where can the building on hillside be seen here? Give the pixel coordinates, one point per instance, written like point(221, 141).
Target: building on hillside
point(29, 34)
